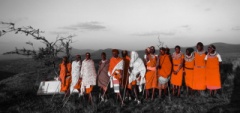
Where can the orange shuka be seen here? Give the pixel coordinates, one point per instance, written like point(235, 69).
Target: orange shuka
point(199, 75)
point(177, 60)
point(151, 77)
point(188, 68)
point(213, 79)
point(65, 76)
point(166, 66)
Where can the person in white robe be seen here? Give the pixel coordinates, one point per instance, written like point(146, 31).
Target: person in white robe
point(76, 68)
point(137, 72)
point(88, 75)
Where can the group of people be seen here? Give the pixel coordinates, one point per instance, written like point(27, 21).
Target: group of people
point(129, 75)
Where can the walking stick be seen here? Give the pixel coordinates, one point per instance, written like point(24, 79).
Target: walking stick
point(124, 93)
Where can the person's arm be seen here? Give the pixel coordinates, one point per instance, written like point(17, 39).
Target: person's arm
point(220, 61)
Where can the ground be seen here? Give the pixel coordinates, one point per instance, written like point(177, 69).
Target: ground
point(19, 81)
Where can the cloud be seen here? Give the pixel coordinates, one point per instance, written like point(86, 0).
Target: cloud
point(91, 26)
point(58, 32)
point(208, 9)
point(219, 30)
point(68, 28)
point(236, 28)
point(155, 33)
point(186, 27)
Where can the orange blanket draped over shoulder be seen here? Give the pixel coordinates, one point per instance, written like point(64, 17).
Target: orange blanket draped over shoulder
point(166, 66)
point(151, 77)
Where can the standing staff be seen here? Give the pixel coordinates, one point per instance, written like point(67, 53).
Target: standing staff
point(125, 84)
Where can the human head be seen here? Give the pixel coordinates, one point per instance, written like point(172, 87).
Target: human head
point(65, 59)
point(189, 51)
point(124, 53)
point(115, 53)
point(147, 51)
point(152, 49)
point(78, 57)
point(177, 49)
point(103, 55)
point(211, 48)
point(199, 46)
point(167, 51)
point(87, 56)
point(162, 50)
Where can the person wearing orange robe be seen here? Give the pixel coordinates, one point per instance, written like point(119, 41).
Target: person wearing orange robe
point(115, 73)
point(65, 75)
point(213, 78)
point(199, 75)
point(151, 77)
point(164, 71)
point(177, 74)
point(188, 69)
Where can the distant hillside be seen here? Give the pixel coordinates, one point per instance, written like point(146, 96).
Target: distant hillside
point(226, 50)
point(73, 53)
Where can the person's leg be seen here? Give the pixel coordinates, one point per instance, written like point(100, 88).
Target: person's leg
point(165, 89)
point(160, 91)
point(173, 90)
point(120, 97)
point(215, 92)
point(147, 93)
point(153, 91)
point(179, 90)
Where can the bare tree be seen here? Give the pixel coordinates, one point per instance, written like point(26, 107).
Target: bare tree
point(160, 43)
point(47, 54)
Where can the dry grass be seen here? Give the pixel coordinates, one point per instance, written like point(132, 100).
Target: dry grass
point(18, 94)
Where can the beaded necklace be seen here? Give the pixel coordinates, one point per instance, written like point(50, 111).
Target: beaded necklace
point(177, 56)
point(201, 52)
point(189, 58)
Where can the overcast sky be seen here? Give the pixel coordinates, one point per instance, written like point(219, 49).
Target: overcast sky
point(124, 24)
